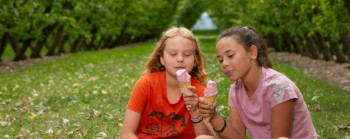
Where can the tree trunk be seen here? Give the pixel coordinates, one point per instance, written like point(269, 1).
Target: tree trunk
point(20, 55)
point(56, 39)
point(347, 5)
point(77, 44)
point(70, 42)
point(323, 47)
point(312, 47)
point(3, 42)
point(2, 48)
point(287, 41)
point(118, 40)
point(99, 44)
point(335, 49)
point(346, 43)
point(93, 32)
point(107, 42)
point(91, 45)
point(273, 42)
point(73, 47)
point(83, 45)
point(39, 45)
point(46, 31)
point(14, 43)
point(303, 47)
point(61, 45)
point(297, 47)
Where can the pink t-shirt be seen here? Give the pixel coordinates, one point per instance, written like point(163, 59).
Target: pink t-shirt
point(273, 89)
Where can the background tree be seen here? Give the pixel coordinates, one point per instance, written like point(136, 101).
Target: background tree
point(315, 28)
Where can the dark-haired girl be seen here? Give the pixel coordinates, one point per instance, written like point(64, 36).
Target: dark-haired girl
point(263, 101)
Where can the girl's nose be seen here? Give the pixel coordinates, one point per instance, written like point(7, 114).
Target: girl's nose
point(224, 63)
point(180, 58)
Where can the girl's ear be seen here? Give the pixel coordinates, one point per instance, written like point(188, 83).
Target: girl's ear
point(162, 60)
point(253, 52)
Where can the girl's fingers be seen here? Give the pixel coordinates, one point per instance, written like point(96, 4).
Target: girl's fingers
point(206, 109)
point(192, 89)
point(202, 100)
point(205, 113)
point(191, 103)
point(189, 94)
point(204, 105)
point(191, 99)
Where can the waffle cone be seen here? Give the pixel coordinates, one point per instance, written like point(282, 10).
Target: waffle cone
point(184, 86)
point(211, 99)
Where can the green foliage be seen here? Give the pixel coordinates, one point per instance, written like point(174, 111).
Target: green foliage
point(291, 16)
point(85, 23)
point(300, 19)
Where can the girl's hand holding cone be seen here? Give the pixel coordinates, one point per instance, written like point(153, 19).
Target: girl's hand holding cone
point(191, 99)
point(205, 109)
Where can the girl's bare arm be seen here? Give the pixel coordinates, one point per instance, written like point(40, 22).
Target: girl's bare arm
point(282, 119)
point(130, 124)
point(234, 127)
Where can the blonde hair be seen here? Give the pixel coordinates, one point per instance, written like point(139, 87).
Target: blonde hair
point(154, 64)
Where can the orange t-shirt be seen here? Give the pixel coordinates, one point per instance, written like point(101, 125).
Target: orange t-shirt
point(159, 118)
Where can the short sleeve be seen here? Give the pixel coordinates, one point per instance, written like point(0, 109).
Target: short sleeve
point(281, 90)
point(139, 95)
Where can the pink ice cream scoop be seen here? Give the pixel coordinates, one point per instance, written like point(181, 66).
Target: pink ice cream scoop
point(211, 89)
point(182, 76)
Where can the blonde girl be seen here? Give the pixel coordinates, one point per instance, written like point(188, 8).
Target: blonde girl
point(157, 108)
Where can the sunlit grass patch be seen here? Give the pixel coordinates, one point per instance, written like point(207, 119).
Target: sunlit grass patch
point(90, 90)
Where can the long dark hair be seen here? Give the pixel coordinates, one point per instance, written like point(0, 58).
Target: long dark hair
point(248, 36)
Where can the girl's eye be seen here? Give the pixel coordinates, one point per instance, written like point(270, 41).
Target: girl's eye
point(187, 54)
point(230, 56)
point(173, 54)
point(220, 60)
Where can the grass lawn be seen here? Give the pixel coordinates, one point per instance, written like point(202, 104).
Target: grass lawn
point(85, 94)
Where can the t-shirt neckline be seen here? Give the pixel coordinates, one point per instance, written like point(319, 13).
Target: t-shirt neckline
point(164, 91)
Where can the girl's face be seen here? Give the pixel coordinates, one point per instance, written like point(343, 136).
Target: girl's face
point(235, 61)
point(178, 54)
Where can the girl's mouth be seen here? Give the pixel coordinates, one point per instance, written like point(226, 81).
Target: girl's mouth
point(178, 68)
point(228, 73)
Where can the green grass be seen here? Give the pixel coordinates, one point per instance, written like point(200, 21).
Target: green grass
point(91, 90)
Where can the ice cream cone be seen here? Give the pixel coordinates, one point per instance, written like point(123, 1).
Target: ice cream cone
point(211, 99)
point(184, 80)
point(210, 94)
point(184, 87)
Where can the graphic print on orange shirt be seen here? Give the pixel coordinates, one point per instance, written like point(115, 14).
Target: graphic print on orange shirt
point(166, 126)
